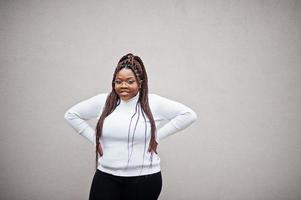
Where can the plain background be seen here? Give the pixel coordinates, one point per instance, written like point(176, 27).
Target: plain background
point(236, 63)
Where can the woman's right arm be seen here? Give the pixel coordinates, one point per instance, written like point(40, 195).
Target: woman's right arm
point(77, 115)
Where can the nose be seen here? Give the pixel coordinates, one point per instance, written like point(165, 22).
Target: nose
point(124, 85)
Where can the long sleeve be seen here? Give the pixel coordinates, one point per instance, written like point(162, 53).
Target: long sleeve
point(77, 115)
point(179, 116)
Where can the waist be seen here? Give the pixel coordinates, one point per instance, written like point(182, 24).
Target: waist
point(128, 177)
point(127, 170)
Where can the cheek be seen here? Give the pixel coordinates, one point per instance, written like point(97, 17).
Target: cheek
point(135, 87)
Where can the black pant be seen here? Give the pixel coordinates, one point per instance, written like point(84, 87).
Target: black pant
point(109, 187)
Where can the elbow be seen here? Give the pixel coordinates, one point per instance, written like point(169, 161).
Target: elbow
point(67, 115)
point(194, 116)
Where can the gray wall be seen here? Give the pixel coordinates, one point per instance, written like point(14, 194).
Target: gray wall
point(236, 63)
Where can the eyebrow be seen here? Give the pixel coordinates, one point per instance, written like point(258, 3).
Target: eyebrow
point(126, 78)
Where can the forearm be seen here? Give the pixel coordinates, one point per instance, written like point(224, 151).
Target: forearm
point(80, 125)
point(176, 124)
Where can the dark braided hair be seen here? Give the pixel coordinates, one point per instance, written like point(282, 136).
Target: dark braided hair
point(129, 61)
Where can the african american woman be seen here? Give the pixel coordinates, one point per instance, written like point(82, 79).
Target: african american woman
point(131, 123)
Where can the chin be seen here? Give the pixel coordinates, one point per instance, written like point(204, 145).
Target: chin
point(124, 95)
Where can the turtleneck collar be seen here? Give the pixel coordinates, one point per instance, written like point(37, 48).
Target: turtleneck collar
point(132, 100)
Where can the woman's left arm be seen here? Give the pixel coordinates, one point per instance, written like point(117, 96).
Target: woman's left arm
point(179, 115)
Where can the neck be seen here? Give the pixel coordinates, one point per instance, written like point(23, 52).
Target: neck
point(134, 99)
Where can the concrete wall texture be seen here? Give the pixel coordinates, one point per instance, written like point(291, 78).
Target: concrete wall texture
point(236, 63)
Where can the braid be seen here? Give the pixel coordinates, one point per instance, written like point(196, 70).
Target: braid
point(136, 65)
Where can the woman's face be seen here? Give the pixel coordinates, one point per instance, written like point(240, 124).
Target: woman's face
point(126, 84)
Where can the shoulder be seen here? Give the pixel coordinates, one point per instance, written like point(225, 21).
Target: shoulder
point(156, 99)
point(162, 102)
point(102, 95)
point(98, 98)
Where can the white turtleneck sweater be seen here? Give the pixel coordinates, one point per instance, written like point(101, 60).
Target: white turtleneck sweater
point(125, 136)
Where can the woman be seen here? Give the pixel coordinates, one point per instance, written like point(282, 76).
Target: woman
point(130, 125)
